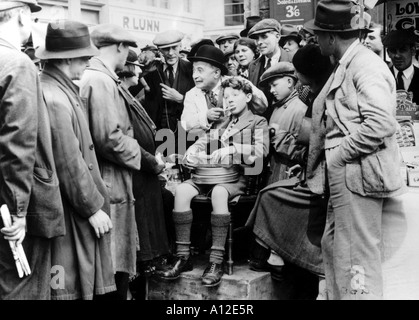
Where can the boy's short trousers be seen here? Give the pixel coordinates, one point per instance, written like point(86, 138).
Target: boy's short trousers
point(234, 189)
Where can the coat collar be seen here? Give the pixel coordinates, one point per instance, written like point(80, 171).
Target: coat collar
point(59, 76)
point(243, 123)
point(340, 70)
point(98, 64)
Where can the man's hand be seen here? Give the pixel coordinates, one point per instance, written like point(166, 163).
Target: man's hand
point(171, 94)
point(215, 114)
point(17, 231)
point(101, 222)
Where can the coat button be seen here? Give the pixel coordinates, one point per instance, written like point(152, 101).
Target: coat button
point(92, 147)
point(91, 166)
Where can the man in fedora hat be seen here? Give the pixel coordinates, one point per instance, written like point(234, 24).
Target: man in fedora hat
point(401, 48)
point(354, 124)
point(267, 34)
point(119, 154)
point(84, 252)
point(226, 42)
point(204, 103)
point(29, 185)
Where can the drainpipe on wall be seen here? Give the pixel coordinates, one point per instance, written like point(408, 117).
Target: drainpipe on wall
point(74, 10)
point(264, 9)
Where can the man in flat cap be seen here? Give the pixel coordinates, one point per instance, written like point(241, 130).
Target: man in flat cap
point(168, 82)
point(29, 184)
point(354, 124)
point(226, 42)
point(401, 48)
point(267, 34)
point(119, 154)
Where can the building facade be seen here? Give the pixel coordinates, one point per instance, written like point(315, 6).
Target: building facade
point(196, 18)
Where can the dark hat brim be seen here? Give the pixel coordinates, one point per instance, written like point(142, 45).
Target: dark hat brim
point(15, 4)
point(244, 33)
point(265, 82)
point(215, 63)
point(311, 27)
point(43, 54)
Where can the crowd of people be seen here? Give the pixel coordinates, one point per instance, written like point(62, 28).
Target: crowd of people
point(87, 128)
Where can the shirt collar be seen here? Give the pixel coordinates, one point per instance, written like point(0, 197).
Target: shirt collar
point(175, 66)
point(275, 58)
point(407, 73)
point(349, 50)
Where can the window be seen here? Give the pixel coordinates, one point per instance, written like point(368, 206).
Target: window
point(165, 4)
point(187, 5)
point(152, 3)
point(234, 12)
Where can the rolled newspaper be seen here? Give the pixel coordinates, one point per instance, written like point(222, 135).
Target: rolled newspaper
point(22, 264)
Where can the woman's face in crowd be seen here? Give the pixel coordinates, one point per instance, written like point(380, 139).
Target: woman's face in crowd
point(236, 101)
point(244, 55)
point(291, 45)
point(133, 81)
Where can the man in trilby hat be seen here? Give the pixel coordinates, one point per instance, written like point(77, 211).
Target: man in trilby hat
point(29, 185)
point(354, 124)
point(84, 252)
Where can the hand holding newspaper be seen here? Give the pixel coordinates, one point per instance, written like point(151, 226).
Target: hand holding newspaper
point(21, 261)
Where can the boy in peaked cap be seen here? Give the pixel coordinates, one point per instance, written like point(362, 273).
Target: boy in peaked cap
point(226, 42)
point(287, 116)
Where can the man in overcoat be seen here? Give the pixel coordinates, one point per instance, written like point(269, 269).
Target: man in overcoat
point(119, 154)
point(85, 251)
point(28, 182)
point(354, 123)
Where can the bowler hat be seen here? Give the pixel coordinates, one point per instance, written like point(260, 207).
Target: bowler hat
point(70, 40)
point(280, 70)
point(310, 62)
point(133, 59)
point(195, 46)
point(289, 31)
point(264, 26)
point(228, 36)
point(334, 16)
point(104, 35)
point(7, 5)
point(168, 39)
point(399, 38)
point(211, 55)
point(250, 23)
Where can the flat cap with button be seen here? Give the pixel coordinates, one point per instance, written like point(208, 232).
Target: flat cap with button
point(7, 5)
point(229, 36)
point(104, 35)
point(169, 38)
point(280, 70)
point(266, 25)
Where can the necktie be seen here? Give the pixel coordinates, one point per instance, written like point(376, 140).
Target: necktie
point(170, 76)
point(211, 99)
point(229, 128)
point(400, 82)
point(268, 65)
